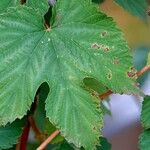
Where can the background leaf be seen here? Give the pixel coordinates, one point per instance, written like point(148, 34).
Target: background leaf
point(135, 7)
point(10, 134)
point(144, 140)
point(145, 114)
point(104, 144)
point(93, 85)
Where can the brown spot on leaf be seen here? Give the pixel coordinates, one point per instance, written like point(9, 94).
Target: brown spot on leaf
point(95, 46)
point(107, 49)
point(109, 75)
point(116, 61)
point(104, 34)
point(132, 72)
point(94, 128)
point(100, 46)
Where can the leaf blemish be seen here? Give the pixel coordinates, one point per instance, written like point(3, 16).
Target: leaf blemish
point(100, 46)
point(96, 46)
point(106, 48)
point(109, 75)
point(132, 72)
point(104, 34)
point(116, 61)
point(94, 128)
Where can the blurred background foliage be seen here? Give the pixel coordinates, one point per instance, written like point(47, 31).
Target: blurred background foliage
point(123, 127)
point(137, 32)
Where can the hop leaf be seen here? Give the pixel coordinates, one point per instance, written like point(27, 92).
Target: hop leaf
point(10, 134)
point(80, 43)
point(5, 4)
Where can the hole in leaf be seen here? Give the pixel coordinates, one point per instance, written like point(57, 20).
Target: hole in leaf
point(47, 18)
point(116, 61)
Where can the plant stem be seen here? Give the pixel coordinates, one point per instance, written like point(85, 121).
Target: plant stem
point(143, 70)
point(33, 125)
point(103, 96)
point(48, 140)
point(38, 134)
point(24, 138)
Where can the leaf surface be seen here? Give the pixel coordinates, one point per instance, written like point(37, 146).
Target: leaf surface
point(104, 145)
point(10, 134)
point(42, 5)
point(5, 4)
point(145, 115)
point(81, 42)
point(144, 140)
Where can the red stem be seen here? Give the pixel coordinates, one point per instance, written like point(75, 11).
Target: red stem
point(24, 138)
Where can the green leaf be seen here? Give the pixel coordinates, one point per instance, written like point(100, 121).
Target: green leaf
point(135, 7)
point(49, 129)
point(145, 114)
point(144, 140)
point(5, 4)
point(64, 146)
point(104, 144)
point(10, 134)
point(93, 85)
point(81, 42)
point(42, 5)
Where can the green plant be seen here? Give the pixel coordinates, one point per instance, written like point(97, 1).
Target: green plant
point(62, 59)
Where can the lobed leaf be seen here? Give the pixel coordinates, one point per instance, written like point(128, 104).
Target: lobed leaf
point(80, 43)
